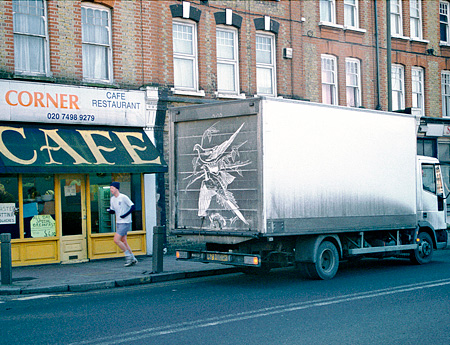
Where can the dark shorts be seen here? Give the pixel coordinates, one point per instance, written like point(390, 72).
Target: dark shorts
point(123, 228)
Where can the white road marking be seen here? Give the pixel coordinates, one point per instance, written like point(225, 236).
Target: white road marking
point(220, 320)
point(32, 297)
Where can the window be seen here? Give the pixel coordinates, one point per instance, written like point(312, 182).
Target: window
point(445, 82)
point(417, 77)
point(426, 147)
point(185, 56)
point(327, 11)
point(428, 178)
point(227, 61)
point(329, 80)
point(9, 201)
point(265, 65)
point(30, 37)
point(353, 78)
point(444, 21)
point(351, 18)
point(398, 87)
point(396, 18)
point(416, 18)
point(96, 36)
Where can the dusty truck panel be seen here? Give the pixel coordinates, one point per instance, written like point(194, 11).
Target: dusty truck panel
point(215, 173)
point(266, 182)
point(337, 169)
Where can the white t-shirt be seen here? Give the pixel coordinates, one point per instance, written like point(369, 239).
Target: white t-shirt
point(121, 205)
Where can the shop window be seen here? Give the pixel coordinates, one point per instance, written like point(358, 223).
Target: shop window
point(9, 203)
point(96, 36)
point(130, 185)
point(38, 206)
point(30, 37)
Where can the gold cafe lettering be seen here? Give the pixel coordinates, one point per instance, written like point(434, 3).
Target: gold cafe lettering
point(88, 137)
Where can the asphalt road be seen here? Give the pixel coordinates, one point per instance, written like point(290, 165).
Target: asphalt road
point(370, 302)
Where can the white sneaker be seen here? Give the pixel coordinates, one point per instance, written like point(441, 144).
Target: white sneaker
point(130, 261)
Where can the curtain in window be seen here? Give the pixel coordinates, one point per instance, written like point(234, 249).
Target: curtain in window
point(29, 36)
point(226, 65)
point(326, 11)
point(96, 43)
point(350, 13)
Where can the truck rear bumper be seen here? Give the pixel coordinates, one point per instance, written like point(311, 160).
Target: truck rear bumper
point(226, 258)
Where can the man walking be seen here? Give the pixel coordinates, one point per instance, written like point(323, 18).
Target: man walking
point(122, 206)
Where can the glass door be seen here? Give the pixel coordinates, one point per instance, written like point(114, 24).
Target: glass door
point(73, 218)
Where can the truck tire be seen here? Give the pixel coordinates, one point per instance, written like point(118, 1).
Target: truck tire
point(327, 262)
point(424, 252)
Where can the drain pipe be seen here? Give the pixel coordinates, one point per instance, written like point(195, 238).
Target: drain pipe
point(377, 56)
point(389, 56)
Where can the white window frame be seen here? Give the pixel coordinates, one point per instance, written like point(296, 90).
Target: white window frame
point(261, 67)
point(415, 9)
point(398, 87)
point(108, 64)
point(396, 18)
point(351, 7)
point(179, 84)
point(353, 69)
point(418, 96)
point(331, 86)
point(328, 11)
point(444, 21)
point(445, 89)
point(19, 35)
point(418, 89)
point(232, 62)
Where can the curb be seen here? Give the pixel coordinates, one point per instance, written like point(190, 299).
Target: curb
point(109, 284)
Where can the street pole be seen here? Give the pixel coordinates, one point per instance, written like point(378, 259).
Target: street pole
point(6, 259)
point(158, 249)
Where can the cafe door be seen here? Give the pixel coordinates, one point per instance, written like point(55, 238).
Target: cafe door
point(73, 218)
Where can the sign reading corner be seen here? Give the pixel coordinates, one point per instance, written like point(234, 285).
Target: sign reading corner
point(60, 104)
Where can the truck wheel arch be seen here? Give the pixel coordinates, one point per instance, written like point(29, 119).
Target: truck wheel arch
point(306, 247)
point(425, 226)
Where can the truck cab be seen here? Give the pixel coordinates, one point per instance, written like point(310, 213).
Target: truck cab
point(431, 200)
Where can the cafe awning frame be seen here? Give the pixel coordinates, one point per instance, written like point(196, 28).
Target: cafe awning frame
point(50, 149)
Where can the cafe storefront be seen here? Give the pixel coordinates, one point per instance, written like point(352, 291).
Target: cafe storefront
point(55, 177)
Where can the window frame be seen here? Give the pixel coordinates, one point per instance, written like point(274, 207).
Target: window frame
point(354, 8)
point(401, 90)
point(333, 85)
point(109, 67)
point(271, 66)
point(184, 56)
point(331, 8)
point(445, 92)
point(420, 93)
point(356, 88)
point(444, 25)
point(230, 62)
point(416, 19)
point(46, 49)
point(396, 18)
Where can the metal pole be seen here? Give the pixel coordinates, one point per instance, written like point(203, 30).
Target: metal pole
point(6, 259)
point(158, 249)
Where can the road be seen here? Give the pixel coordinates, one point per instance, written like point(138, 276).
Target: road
point(370, 302)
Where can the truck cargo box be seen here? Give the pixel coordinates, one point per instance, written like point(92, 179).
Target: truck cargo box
point(275, 167)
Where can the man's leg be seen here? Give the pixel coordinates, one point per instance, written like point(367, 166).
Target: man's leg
point(119, 242)
point(129, 253)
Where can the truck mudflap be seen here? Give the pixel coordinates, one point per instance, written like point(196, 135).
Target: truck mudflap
point(226, 258)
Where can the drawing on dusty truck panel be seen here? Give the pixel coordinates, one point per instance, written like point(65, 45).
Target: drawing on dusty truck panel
point(217, 167)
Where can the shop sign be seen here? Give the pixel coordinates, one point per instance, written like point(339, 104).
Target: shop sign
point(7, 213)
point(43, 226)
point(60, 104)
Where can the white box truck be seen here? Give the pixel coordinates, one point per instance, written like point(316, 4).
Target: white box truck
point(264, 183)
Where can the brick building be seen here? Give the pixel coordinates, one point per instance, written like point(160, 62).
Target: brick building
point(121, 64)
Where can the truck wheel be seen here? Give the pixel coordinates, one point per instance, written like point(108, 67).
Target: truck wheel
point(327, 262)
point(424, 252)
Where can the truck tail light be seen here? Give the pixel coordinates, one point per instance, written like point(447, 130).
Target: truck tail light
point(182, 254)
point(251, 260)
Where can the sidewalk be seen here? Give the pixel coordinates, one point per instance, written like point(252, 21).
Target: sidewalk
point(104, 274)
